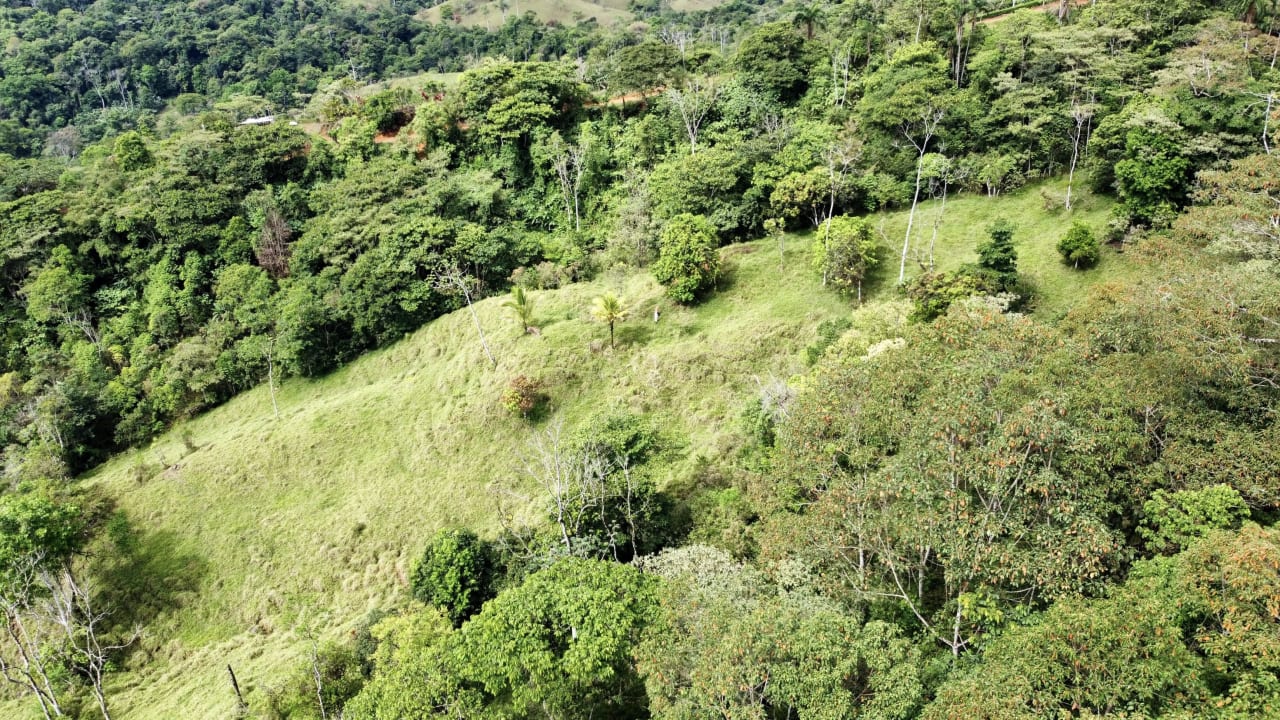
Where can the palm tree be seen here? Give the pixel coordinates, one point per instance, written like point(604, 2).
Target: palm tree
point(521, 304)
point(608, 309)
point(809, 15)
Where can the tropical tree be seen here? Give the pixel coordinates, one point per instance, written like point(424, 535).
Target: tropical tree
point(608, 308)
point(1087, 657)
point(908, 97)
point(775, 60)
point(967, 487)
point(693, 105)
point(728, 644)
point(997, 257)
point(687, 258)
point(1191, 635)
point(1079, 246)
point(1235, 209)
point(521, 305)
point(845, 253)
point(455, 574)
point(645, 66)
point(807, 15)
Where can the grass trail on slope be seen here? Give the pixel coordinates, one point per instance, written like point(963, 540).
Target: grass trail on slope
point(317, 517)
point(254, 528)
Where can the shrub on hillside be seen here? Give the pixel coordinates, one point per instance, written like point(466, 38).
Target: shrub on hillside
point(456, 574)
point(687, 260)
point(1079, 246)
point(522, 396)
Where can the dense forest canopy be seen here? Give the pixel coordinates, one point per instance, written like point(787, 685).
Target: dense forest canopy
point(973, 507)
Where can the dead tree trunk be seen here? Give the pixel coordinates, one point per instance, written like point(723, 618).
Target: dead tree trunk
point(919, 137)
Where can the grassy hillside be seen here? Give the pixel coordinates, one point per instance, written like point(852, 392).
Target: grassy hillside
point(413, 82)
point(256, 528)
point(1036, 233)
point(490, 13)
point(317, 517)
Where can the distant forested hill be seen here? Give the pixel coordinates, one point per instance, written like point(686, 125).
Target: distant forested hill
point(93, 68)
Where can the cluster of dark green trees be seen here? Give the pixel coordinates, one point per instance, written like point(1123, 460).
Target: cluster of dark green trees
point(72, 72)
point(982, 515)
point(157, 272)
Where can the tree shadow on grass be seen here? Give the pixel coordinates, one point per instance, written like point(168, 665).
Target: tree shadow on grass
point(143, 575)
point(727, 277)
point(635, 333)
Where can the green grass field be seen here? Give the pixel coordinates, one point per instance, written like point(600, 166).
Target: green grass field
point(413, 82)
point(491, 13)
point(1037, 231)
point(257, 527)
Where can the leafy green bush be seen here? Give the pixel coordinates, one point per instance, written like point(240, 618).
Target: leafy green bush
point(844, 251)
point(932, 293)
point(1079, 247)
point(624, 514)
point(456, 574)
point(1174, 520)
point(997, 257)
point(828, 332)
point(336, 669)
point(687, 260)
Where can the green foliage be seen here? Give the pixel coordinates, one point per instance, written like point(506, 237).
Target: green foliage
point(829, 331)
point(904, 100)
point(35, 523)
point(844, 251)
point(1234, 206)
point(521, 305)
point(800, 194)
point(558, 643)
point(644, 66)
point(955, 419)
point(1079, 247)
point(508, 100)
point(410, 676)
point(562, 641)
point(340, 679)
point(612, 507)
point(58, 291)
point(934, 292)
point(997, 257)
point(622, 435)
point(727, 644)
point(1157, 645)
point(456, 574)
point(993, 477)
point(1125, 651)
point(1152, 174)
point(688, 262)
point(775, 59)
point(131, 152)
point(310, 329)
point(1174, 520)
point(609, 309)
point(759, 423)
point(712, 183)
